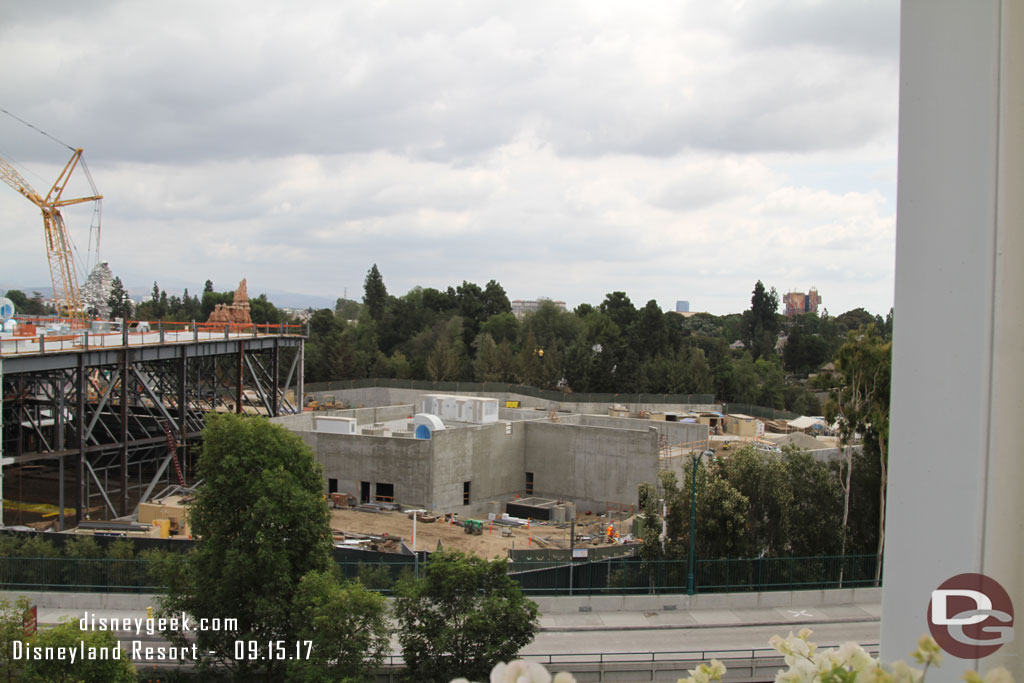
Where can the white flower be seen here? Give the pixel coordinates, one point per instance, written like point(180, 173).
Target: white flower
point(520, 671)
point(853, 657)
point(998, 675)
point(801, 670)
point(927, 652)
point(904, 673)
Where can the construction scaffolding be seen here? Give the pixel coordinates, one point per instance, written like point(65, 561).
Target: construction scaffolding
point(116, 422)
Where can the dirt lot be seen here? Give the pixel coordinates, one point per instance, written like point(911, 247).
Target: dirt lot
point(491, 544)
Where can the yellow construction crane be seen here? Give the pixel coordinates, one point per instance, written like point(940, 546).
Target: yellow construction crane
point(67, 297)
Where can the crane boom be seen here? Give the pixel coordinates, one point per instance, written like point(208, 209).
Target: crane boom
point(66, 294)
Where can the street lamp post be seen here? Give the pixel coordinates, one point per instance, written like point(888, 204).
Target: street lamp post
point(693, 521)
point(415, 557)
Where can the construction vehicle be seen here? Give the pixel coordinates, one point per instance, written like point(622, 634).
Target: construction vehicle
point(66, 293)
point(473, 526)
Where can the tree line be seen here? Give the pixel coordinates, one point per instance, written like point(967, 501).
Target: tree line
point(756, 503)
point(468, 333)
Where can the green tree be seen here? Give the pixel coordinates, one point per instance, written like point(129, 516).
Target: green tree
point(619, 308)
point(262, 525)
point(119, 301)
point(24, 305)
point(461, 618)
point(444, 360)
point(816, 511)
point(856, 319)
point(375, 294)
point(263, 312)
point(347, 309)
point(495, 301)
point(12, 628)
point(760, 321)
point(345, 625)
point(861, 406)
point(652, 550)
point(487, 364)
point(721, 516)
point(82, 670)
point(210, 301)
point(762, 479)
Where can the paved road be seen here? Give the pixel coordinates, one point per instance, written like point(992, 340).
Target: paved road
point(702, 629)
point(705, 630)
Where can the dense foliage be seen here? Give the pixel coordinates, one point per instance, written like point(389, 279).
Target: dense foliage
point(68, 635)
point(461, 618)
point(263, 557)
point(468, 333)
point(752, 503)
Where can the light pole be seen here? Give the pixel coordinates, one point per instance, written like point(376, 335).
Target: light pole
point(415, 557)
point(693, 521)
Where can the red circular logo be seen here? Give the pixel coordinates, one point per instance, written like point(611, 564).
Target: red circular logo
point(970, 616)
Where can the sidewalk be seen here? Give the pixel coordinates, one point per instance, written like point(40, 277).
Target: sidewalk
point(597, 621)
point(711, 618)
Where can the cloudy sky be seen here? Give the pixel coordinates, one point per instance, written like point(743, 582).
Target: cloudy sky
point(671, 150)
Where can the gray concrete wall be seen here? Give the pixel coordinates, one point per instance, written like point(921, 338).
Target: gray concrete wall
point(372, 415)
point(298, 423)
point(637, 408)
point(548, 605)
point(350, 459)
point(383, 396)
point(589, 465)
point(674, 432)
point(676, 601)
point(487, 457)
point(523, 414)
point(304, 421)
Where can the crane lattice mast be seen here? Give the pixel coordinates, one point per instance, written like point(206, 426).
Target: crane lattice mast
point(66, 294)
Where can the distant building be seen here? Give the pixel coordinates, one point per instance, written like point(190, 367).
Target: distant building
point(682, 307)
point(520, 307)
point(798, 303)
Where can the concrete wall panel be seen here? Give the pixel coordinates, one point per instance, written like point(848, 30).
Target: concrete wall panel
point(405, 463)
point(589, 465)
point(487, 456)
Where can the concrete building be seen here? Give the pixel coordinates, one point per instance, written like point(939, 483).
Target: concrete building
point(594, 461)
point(520, 307)
point(798, 303)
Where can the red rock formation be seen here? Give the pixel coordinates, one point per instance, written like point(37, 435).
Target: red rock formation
point(235, 313)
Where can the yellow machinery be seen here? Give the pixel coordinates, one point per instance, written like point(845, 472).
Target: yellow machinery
point(66, 293)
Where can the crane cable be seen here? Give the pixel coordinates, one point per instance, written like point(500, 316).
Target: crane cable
point(97, 211)
point(38, 130)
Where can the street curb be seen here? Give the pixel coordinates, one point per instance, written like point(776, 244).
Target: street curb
point(751, 624)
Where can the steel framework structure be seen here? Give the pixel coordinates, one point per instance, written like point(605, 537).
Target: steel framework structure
point(125, 419)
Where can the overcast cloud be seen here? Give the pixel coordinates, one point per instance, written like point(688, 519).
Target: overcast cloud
point(672, 150)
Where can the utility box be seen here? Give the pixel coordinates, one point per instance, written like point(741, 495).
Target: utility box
point(334, 425)
point(453, 408)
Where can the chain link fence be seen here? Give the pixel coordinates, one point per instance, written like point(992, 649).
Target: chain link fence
point(611, 576)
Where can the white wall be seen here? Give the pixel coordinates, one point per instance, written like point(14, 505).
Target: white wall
point(954, 490)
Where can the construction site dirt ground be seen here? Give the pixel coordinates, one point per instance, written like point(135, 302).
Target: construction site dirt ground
point(492, 543)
